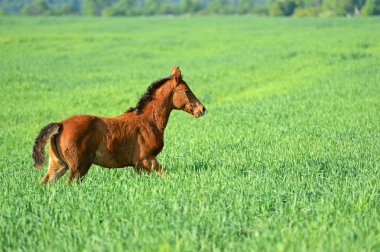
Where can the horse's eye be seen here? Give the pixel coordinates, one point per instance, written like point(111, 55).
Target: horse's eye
point(187, 91)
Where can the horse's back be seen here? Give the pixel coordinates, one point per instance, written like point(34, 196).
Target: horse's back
point(81, 126)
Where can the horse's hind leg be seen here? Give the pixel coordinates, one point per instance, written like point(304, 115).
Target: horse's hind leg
point(79, 171)
point(56, 169)
point(44, 179)
point(78, 174)
point(53, 174)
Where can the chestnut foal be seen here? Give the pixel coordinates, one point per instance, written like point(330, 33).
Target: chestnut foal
point(134, 138)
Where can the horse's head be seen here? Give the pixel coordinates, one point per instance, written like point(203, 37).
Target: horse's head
point(183, 98)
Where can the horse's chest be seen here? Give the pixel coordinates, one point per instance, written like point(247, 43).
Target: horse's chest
point(150, 145)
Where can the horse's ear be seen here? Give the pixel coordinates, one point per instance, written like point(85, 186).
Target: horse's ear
point(176, 72)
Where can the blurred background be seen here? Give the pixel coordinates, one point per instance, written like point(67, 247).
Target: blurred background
point(191, 7)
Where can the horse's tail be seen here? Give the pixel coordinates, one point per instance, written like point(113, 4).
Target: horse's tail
point(38, 149)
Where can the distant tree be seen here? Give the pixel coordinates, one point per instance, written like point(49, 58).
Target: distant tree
point(371, 7)
point(150, 7)
point(338, 7)
point(89, 7)
point(129, 6)
point(185, 6)
point(65, 7)
point(217, 6)
point(283, 8)
point(260, 8)
point(190, 6)
point(243, 6)
point(163, 7)
point(359, 3)
point(62, 9)
point(167, 8)
point(114, 10)
point(95, 7)
point(305, 12)
point(12, 6)
point(36, 7)
point(307, 8)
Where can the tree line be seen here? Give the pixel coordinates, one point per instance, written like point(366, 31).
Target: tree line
point(191, 7)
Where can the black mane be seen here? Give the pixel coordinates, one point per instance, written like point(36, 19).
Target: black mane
point(148, 96)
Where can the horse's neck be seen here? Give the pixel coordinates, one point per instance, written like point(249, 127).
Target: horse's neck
point(158, 111)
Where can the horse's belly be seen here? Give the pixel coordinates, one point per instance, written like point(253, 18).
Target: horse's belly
point(112, 160)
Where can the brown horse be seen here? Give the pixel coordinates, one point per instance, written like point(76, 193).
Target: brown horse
point(133, 138)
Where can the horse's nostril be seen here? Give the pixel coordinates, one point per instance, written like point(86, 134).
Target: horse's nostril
point(204, 109)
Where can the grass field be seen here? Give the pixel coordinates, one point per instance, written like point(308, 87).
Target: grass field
point(287, 157)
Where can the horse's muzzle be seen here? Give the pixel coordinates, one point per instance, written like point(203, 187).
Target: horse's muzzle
point(200, 112)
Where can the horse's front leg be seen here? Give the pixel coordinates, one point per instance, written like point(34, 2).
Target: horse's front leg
point(148, 164)
point(158, 168)
point(143, 165)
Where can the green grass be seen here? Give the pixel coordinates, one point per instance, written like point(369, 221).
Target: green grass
point(287, 157)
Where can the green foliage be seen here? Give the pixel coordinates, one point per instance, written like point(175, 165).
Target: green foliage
point(190, 6)
point(244, 6)
point(89, 8)
point(217, 6)
point(166, 9)
point(371, 7)
point(198, 7)
point(95, 7)
point(65, 9)
point(338, 7)
point(150, 7)
point(260, 9)
point(305, 12)
point(36, 7)
point(287, 157)
point(121, 8)
point(283, 8)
